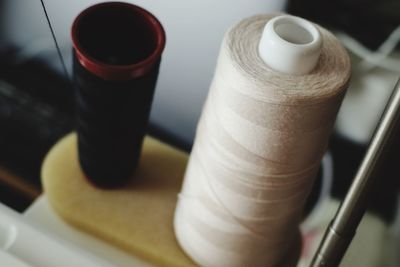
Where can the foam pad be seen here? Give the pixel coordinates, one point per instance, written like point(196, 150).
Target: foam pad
point(137, 218)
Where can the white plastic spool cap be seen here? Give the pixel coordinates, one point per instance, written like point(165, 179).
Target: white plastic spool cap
point(290, 45)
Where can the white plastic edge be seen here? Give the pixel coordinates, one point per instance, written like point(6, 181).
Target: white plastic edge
point(27, 245)
point(290, 44)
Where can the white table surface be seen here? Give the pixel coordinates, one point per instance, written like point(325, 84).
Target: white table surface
point(40, 215)
point(371, 247)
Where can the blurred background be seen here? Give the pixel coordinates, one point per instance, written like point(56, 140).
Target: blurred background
point(36, 98)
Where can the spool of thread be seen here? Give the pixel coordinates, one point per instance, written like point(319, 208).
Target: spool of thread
point(264, 128)
point(117, 52)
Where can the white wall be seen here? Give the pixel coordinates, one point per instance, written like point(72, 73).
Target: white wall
point(194, 33)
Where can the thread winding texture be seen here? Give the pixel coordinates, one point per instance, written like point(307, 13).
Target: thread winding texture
point(258, 146)
point(117, 53)
point(111, 121)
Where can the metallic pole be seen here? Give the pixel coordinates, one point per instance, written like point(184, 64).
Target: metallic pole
point(341, 230)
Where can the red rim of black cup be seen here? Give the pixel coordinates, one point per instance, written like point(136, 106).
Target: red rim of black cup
point(120, 72)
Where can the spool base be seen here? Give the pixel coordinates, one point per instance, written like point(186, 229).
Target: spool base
point(186, 234)
point(137, 218)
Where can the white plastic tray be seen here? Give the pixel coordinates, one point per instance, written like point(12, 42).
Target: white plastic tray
point(25, 242)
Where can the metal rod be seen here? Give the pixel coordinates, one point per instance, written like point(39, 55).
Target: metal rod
point(341, 230)
point(53, 35)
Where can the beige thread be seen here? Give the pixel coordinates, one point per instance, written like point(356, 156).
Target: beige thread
point(259, 142)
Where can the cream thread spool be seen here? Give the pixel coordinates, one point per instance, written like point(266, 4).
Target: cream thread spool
point(277, 88)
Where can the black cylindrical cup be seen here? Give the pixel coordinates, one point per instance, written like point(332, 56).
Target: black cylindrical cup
point(117, 52)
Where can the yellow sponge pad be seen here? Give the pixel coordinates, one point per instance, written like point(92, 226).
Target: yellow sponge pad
point(137, 218)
